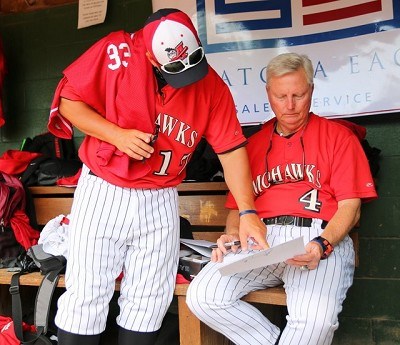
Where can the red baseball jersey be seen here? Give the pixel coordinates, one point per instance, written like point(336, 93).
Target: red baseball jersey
point(120, 84)
point(307, 174)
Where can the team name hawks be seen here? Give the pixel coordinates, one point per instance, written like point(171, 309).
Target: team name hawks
point(285, 174)
point(178, 130)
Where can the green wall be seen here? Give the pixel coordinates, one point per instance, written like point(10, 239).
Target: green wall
point(39, 45)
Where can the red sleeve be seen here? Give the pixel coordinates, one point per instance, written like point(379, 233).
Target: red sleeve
point(352, 180)
point(223, 131)
point(57, 124)
point(69, 92)
point(2, 73)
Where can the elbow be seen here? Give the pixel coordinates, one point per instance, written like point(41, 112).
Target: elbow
point(357, 214)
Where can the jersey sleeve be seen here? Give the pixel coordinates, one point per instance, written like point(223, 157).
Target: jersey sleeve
point(57, 124)
point(351, 177)
point(86, 75)
point(223, 131)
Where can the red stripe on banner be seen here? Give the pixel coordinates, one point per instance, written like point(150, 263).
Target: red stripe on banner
point(316, 2)
point(342, 13)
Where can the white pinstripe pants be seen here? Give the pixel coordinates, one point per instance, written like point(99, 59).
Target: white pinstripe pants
point(314, 298)
point(114, 229)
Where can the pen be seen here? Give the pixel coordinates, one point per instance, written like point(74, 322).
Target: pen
point(227, 244)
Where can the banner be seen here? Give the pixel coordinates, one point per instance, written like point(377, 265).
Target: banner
point(354, 46)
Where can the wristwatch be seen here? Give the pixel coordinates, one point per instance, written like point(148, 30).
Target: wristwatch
point(327, 248)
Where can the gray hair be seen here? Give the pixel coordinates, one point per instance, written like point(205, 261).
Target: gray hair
point(290, 62)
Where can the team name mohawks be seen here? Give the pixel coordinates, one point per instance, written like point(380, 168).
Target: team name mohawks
point(180, 131)
point(286, 174)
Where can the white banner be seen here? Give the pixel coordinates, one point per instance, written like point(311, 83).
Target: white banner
point(354, 46)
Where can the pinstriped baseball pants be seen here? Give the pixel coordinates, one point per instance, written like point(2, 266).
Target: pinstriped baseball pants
point(114, 230)
point(314, 298)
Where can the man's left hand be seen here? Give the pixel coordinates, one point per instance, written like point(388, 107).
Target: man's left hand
point(253, 230)
point(310, 260)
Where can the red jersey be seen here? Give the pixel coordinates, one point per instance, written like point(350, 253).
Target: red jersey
point(307, 174)
point(184, 115)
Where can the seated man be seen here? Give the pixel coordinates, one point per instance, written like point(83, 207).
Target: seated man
point(310, 176)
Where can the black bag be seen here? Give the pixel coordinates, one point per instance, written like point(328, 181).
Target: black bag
point(10, 248)
point(47, 262)
point(50, 146)
point(45, 171)
point(59, 159)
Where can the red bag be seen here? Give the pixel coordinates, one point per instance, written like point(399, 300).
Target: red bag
point(16, 233)
point(12, 197)
point(7, 334)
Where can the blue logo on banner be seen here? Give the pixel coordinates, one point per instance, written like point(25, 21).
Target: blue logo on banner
point(230, 25)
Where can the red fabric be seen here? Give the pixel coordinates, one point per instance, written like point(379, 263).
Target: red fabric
point(70, 181)
point(24, 233)
point(7, 335)
point(125, 96)
point(14, 162)
point(180, 279)
point(358, 130)
point(2, 73)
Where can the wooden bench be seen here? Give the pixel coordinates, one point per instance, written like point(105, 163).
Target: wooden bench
point(202, 204)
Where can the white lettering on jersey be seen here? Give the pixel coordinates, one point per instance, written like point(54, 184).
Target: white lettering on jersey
point(292, 172)
point(118, 55)
point(179, 130)
point(168, 124)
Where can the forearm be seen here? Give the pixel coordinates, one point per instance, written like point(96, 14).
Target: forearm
point(343, 221)
point(238, 177)
point(132, 142)
point(88, 121)
point(232, 223)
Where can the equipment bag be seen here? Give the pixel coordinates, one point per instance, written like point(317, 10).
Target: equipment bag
point(51, 266)
point(42, 309)
point(16, 233)
point(47, 262)
point(58, 159)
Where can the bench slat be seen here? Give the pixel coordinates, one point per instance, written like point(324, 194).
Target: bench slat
point(275, 296)
point(49, 208)
point(204, 210)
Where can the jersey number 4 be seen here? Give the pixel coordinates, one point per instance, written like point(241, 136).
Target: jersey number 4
point(310, 199)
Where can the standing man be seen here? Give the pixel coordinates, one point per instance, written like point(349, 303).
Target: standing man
point(310, 176)
point(144, 101)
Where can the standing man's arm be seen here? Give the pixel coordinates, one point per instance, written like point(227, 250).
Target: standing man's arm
point(238, 178)
point(130, 141)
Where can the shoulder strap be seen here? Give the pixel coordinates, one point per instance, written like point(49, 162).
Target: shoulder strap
point(43, 300)
point(16, 305)
point(42, 305)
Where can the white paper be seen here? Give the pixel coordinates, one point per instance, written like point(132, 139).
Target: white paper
point(91, 12)
point(200, 246)
point(266, 257)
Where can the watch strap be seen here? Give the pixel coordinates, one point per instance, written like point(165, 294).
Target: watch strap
point(326, 246)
